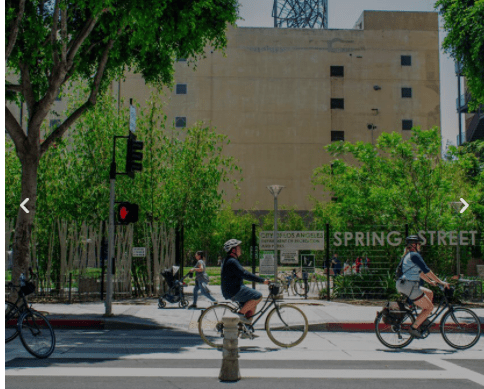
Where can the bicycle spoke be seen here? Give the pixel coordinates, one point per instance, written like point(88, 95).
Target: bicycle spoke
point(394, 335)
point(460, 328)
point(210, 325)
point(37, 334)
point(11, 319)
point(286, 326)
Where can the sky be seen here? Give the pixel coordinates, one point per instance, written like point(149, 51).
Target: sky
point(342, 14)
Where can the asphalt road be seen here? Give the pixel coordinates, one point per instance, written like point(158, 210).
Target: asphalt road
point(175, 359)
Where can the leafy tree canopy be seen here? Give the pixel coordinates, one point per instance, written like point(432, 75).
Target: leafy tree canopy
point(464, 21)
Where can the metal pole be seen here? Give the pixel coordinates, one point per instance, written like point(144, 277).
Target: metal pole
point(109, 286)
point(275, 238)
point(459, 141)
point(253, 253)
point(327, 262)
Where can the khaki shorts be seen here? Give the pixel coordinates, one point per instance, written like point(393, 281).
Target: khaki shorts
point(410, 289)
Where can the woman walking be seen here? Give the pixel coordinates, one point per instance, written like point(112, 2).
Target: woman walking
point(201, 280)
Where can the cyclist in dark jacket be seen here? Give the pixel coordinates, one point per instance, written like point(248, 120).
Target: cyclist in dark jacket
point(233, 276)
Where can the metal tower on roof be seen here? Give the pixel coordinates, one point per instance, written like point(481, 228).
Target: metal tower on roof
point(300, 13)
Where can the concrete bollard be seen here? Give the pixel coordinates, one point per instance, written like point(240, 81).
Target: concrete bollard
point(230, 362)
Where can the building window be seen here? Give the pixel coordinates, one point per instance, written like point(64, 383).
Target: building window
point(406, 60)
point(54, 123)
point(337, 103)
point(407, 124)
point(180, 122)
point(181, 89)
point(337, 71)
point(406, 92)
point(337, 135)
point(182, 60)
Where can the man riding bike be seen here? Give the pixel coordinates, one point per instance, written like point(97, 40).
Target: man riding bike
point(233, 276)
point(414, 272)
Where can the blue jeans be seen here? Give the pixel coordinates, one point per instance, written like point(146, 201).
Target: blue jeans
point(198, 287)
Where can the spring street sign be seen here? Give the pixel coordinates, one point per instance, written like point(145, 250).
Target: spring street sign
point(292, 240)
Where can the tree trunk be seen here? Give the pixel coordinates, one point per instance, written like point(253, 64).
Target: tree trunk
point(25, 221)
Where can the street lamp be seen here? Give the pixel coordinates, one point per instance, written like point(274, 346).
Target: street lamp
point(456, 206)
point(275, 190)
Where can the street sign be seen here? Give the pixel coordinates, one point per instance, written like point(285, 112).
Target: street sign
point(132, 118)
point(308, 262)
point(289, 257)
point(139, 251)
point(292, 240)
point(266, 266)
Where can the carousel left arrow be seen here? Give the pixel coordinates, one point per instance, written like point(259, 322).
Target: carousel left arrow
point(22, 205)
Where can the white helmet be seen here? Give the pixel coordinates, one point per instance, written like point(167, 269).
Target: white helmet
point(230, 244)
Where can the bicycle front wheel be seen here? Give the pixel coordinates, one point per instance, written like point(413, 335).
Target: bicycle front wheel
point(11, 320)
point(460, 328)
point(36, 334)
point(287, 325)
point(211, 326)
point(394, 335)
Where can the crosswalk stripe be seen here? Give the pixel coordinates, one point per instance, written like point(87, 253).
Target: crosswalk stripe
point(248, 373)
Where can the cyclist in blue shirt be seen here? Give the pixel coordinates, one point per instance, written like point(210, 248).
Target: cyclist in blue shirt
point(414, 272)
point(233, 276)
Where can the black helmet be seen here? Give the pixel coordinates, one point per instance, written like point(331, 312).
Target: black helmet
point(413, 239)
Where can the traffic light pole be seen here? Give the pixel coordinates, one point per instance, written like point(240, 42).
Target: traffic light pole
point(133, 163)
point(109, 286)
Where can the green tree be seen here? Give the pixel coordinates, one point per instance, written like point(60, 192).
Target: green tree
point(49, 43)
point(394, 183)
point(464, 22)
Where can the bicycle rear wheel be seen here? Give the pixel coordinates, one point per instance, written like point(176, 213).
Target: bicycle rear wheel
point(12, 314)
point(300, 287)
point(460, 328)
point(210, 325)
point(287, 325)
point(36, 334)
point(394, 335)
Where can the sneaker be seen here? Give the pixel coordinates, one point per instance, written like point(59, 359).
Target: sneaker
point(193, 306)
point(415, 333)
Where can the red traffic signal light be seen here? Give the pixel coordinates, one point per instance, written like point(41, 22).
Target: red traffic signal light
point(127, 213)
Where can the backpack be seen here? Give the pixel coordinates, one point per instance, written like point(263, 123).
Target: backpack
point(399, 271)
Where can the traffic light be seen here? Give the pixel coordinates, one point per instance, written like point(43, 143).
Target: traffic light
point(127, 213)
point(133, 155)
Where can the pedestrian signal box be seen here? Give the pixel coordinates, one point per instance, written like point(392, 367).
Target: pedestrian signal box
point(127, 213)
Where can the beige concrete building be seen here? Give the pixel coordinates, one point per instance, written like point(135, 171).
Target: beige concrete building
point(281, 95)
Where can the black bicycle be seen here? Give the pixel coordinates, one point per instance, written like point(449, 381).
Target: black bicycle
point(34, 329)
point(286, 324)
point(460, 327)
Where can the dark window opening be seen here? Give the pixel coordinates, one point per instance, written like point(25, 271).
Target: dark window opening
point(406, 92)
point(407, 124)
point(337, 103)
point(337, 136)
point(182, 60)
point(180, 122)
point(181, 89)
point(337, 71)
point(406, 60)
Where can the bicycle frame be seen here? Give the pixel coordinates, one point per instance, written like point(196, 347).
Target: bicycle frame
point(443, 305)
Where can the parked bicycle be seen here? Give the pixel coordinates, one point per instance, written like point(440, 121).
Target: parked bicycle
point(34, 329)
point(301, 283)
point(286, 325)
point(460, 327)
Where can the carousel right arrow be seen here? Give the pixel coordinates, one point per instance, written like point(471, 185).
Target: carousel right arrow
point(465, 205)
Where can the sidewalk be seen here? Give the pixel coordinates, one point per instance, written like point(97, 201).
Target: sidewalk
point(144, 314)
